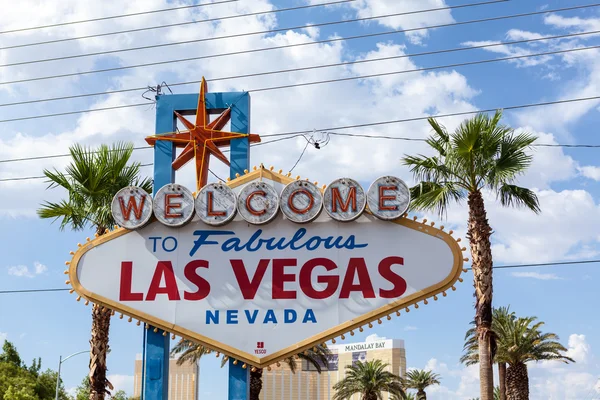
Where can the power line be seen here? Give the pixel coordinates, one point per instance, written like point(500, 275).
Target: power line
point(495, 267)
point(283, 70)
point(179, 24)
point(116, 16)
point(303, 27)
point(30, 178)
point(293, 134)
point(316, 83)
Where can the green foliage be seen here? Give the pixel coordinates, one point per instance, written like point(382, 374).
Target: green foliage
point(120, 395)
point(83, 390)
point(370, 381)
point(480, 154)
point(91, 180)
point(519, 340)
point(19, 382)
point(420, 380)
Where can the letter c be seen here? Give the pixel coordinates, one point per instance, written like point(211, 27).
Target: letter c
point(251, 209)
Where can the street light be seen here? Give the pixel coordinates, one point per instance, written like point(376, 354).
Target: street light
point(60, 361)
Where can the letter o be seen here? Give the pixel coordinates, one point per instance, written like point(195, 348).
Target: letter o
point(258, 203)
point(301, 201)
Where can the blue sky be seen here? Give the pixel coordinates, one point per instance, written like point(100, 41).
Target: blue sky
point(566, 179)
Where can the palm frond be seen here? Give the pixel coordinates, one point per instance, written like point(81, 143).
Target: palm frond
point(512, 195)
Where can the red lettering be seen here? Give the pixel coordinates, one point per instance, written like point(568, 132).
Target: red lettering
point(125, 293)
point(190, 272)
point(251, 209)
point(385, 270)
point(280, 278)
point(169, 205)
point(383, 198)
point(209, 206)
point(357, 266)
point(336, 198)
point(249, 287)
point(311, 201)
point(331, 281)
point(163, 268)
point(131, 204)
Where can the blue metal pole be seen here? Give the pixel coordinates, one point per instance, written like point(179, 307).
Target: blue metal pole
point(239, 378)
point(155, 365)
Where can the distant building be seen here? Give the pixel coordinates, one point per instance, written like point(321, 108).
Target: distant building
point(183, 380)
point(306, 384)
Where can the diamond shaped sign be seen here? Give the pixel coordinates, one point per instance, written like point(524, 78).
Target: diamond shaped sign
point(261, 290)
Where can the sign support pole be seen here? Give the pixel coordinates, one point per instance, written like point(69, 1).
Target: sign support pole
point(155, 362)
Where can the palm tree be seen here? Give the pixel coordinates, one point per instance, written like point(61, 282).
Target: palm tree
point(481, 155)
point(91, 180)
point(191, 352)
point(519, 342)
point(524, 342)
point(420, 379)
point(369, 380)
point(500, 318)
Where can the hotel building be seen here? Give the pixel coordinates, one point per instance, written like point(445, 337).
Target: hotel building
point(307, 384)
point(183, 380)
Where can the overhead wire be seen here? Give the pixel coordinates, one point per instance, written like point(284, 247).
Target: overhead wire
point(345, 63)
point(13, 291)
point(235, 16)
point(116, 16)
point(307, 43)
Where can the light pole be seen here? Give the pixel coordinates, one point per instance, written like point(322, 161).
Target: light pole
point(60, 361)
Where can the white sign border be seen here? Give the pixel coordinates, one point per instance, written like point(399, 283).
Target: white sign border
point(330, 334)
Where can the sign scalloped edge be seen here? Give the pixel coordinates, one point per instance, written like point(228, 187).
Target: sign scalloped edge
point(349, 327)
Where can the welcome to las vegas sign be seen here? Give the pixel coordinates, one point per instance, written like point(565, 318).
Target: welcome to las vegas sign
point(266, 266)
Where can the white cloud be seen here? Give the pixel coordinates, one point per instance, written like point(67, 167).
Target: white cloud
point(590, 172)
point(410, 328)
point(24, 271)
point(122, 382)
point(579, 349)
point(536, 275)
point(374, 338)
point(370, 8)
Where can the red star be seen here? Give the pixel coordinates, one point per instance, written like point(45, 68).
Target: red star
point(202, 138)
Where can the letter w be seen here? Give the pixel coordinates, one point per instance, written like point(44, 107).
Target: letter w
point(247, 286)
point(126, 211)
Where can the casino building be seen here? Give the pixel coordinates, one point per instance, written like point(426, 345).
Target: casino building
point(183, 380)
point(307, 384)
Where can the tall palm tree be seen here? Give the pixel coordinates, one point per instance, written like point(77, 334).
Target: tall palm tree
point(191, 352)
point(481, 155)
point(420, 379)
point(369, 380)
point(500, 317)
point(91, 180)
point(520, 341)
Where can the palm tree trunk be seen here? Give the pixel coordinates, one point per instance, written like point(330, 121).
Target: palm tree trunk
point(255, 384)
point(421, 395)
point(479, 233)
point(517, 382)
point(502, 379)
point(98, 351)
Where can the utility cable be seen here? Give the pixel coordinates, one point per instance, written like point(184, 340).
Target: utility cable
point(314, 83)
point(494, 267)
point(97, 71)
point(177, 24)
point(284, 70)
point(303, 27)
point(116, 16)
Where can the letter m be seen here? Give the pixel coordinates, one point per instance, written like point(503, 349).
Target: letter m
point(131, 204)
point(336, 198)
